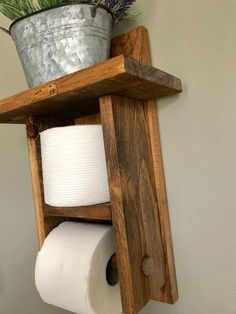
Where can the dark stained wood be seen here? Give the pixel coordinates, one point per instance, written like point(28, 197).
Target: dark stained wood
point(136, 44)
point(90, 119)
point(76, 94)
point(33, 126)
point(133, 199)
point(100, 212)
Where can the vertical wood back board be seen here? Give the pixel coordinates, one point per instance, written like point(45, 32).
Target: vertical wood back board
point(136, 44)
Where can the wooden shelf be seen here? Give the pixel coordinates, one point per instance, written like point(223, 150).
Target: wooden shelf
point(76, 94)
point(120, 94)
point(100, 212)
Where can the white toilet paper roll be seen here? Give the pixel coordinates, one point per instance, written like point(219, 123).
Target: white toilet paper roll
point(74, 166)
point(71, 269)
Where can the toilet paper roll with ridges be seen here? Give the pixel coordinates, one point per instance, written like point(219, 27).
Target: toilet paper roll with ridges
point(71, 269)
point(74, 166)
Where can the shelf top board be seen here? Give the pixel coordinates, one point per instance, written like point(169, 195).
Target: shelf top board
point(77, 94)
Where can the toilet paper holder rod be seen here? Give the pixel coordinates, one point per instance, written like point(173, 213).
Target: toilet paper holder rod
point(122, 101)
point(147, 265)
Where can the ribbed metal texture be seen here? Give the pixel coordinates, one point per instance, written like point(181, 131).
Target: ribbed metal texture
point(61, 40)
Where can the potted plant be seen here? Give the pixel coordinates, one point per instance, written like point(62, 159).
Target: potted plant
point(57, 37)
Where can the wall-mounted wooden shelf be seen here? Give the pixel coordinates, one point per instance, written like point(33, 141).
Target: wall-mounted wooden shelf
point(74, 95)
point(120, 94)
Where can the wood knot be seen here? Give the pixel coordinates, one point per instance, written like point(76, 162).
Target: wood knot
point(148, 266)
point(52, 89)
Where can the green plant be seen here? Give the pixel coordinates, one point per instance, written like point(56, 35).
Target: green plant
point(15, 9)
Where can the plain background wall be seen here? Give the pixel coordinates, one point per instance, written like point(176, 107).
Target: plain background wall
point(196, 41)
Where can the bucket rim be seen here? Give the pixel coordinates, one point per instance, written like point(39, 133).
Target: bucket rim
point(58, 6)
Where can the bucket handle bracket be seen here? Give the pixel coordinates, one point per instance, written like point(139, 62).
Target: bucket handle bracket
point(94, 8)
point(5, 30)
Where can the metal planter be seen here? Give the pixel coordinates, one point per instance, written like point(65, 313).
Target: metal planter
point(61, 40)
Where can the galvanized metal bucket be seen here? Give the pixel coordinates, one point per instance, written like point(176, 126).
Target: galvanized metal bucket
point(54, 42)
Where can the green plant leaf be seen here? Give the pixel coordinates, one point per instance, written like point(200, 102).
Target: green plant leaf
point(15, 9)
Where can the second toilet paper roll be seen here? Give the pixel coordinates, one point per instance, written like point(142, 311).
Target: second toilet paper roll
point(71, 269)
point(74, 166)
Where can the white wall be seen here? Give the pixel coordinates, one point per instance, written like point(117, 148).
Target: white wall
point(196, 41)
point(18, 240)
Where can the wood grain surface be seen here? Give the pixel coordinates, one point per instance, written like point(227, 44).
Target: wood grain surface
point(35, 125)
point(136, 44)
point(77, 94)
point(99, 212)
point(138, 208)
point(133, 199)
